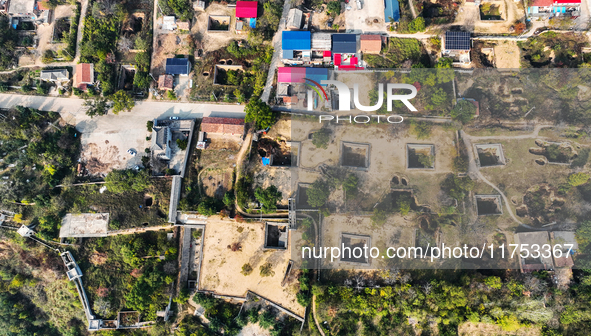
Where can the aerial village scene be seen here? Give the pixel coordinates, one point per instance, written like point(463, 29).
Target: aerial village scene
point(295, 167)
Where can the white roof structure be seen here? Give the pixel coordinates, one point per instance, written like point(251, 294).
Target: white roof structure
point(85, 225)
point(25, 231)
point(169, 23)
point(55, 75)
point(321, 41)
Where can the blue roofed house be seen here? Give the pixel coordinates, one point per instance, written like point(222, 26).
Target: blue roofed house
point(457, 45)
point(178, 66)
point(391, 11)
point(296, 46)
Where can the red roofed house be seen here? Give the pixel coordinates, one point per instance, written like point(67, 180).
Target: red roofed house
point(546, 8)
point(246, 9)
point(84, 75)
point(370, 44)
point(223, 125)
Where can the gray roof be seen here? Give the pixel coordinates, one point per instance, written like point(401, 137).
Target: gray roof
point(294, 18)
point(55, 75)
point(21, 6)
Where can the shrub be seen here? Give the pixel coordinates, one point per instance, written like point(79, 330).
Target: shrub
point(578, 179)
point(321, 138)
point(318, 193)
point(149, 125)
point(182, 144)
point(266, 270)
point(246, 269)
point(463, 112)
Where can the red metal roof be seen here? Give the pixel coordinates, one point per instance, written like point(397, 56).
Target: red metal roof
point(337, 59)
point(246, 9)
point(222, 125)
point(84, 73)
point(326, 53)
point(542, 3)
point(291, 75)
point(567, 2)
point(353, 60)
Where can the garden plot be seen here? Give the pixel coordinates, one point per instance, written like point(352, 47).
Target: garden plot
point(493, 10)
point(216, 164)
point(507, 55)
point(233, 260)
point(490, 155)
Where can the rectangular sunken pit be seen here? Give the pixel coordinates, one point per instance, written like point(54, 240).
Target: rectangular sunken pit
point(489, 205)
point(490, 155)
point(218, 23)
point(355, 155)
point(356, 243)
point(420, 156)
point(276, 236)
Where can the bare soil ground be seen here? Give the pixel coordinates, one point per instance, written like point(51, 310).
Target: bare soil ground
point(168, 45)
point(507, 55)
point(387, 157)
point(320, 20)
point(211, 41)
point(369, 18)
point(221, 267)
point(469, 17)
point(45, 33)
point(105, 150)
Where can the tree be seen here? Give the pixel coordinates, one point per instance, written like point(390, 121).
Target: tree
point(149, 125)
point(246, 269)
point(457, 187)
point(207, 207)
point(229, 199)
point(334, 8)
point(239, 96)
point(420, 129)
point(268, 198)
point(96, 107)
point(438, 97)
point(121, 181)
point(321, 138)
point(260, 113)
point(122, 101)
point(182, 144)
point(464, 111)
point(318, 193)
point(583, 235)
point(417, 25)
point(266, 270)
point(578, 179)
point(378, 217)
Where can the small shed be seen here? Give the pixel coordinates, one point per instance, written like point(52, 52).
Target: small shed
point(370, 44)
point(344, 43)
point(246, 9)
point(391, 11)
point(169, 23)
point(294, 19)
point(165, 82)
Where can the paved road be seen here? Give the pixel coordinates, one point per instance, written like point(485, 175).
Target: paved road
point(73, 111)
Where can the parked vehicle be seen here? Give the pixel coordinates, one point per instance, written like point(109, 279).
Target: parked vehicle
point(174, 118)
point(131, 152)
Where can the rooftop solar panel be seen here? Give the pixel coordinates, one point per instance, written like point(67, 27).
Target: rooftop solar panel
point(456, 40)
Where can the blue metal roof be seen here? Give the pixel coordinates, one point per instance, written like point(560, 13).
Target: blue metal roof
point(178, 66)
point(317, 74)
point(288, 54)
point(296, 40)
point(392, 10)
point(344, 43)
